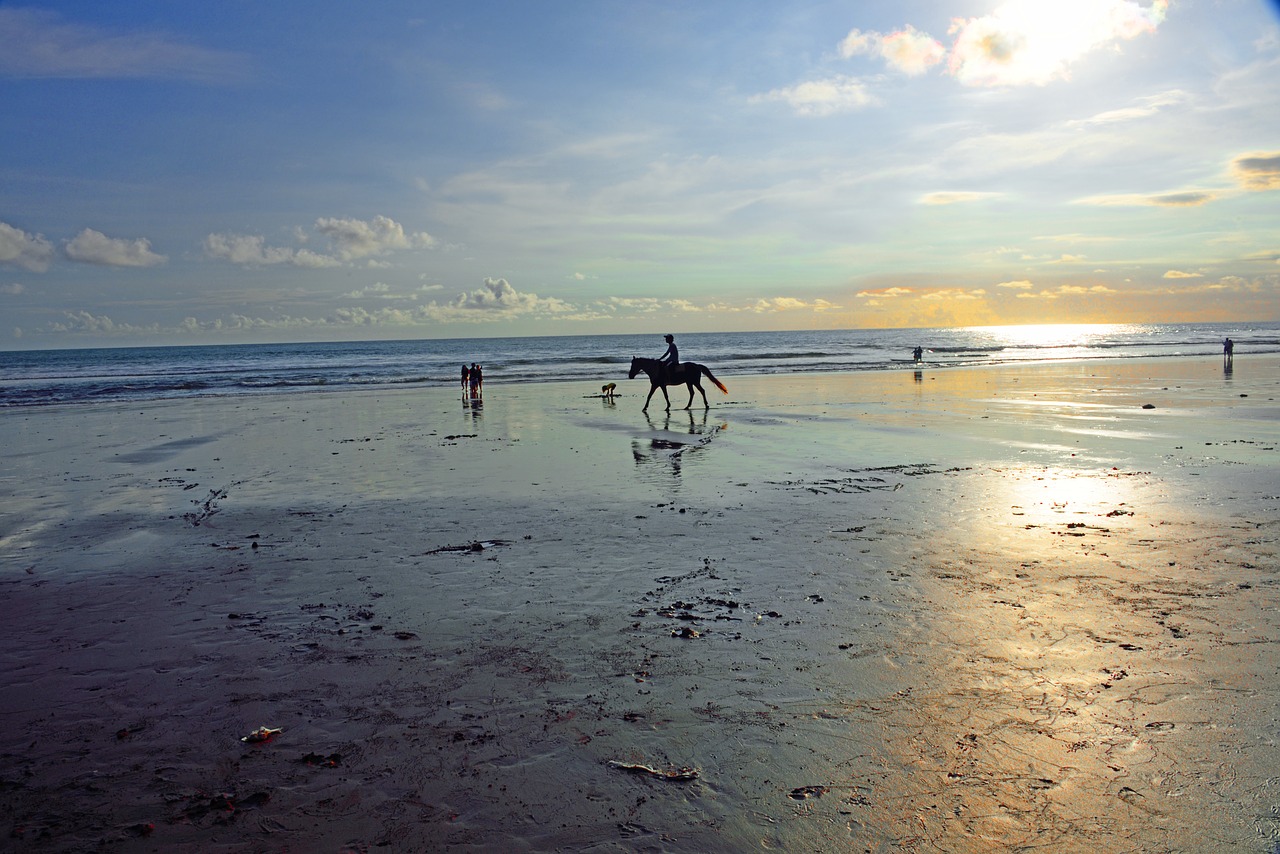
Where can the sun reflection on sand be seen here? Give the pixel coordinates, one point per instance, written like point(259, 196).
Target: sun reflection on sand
point(1054, 496)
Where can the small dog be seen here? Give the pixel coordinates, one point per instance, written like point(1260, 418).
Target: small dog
point(608, 389)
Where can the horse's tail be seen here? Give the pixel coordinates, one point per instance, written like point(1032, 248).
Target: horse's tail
point(712, 377)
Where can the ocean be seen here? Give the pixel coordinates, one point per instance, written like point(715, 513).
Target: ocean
point(81, 376)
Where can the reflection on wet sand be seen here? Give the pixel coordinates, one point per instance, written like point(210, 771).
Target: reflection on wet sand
point(668, 448)
point(1091, 684)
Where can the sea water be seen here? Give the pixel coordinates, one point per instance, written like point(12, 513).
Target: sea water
point(43, 377)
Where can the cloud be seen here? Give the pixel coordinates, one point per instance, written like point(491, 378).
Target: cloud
point(884, 292)
point(252, 250)
point(354, 238)
point(1020, 284)
point(498, 297)
point(1257, 171)
point(1149, 107)
point(38, 43)
point(1069, 291)
point(84, 322)
point(954, 197)
point(28, 251)
point(1180, 199)
point(13, 289)
point(777, 304)
point(94, 247)
point(349, 240)
point(822, 97)
point(908, 50)
point(1032, 42)
point(1178, 274)
point(952, 294)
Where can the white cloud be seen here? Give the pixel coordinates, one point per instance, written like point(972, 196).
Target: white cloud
point(908, 50)
point(497, 296)
point(354, 238)
point(1020, 284)
point(38, 43)
point(13, 289)
point(1179, 274)
point(246, 249)
point(822, 97)
point(349, 239)
point(28, 251)
point(94, 247)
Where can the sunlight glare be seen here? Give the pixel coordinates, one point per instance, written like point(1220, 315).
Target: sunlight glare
point(1035, 41)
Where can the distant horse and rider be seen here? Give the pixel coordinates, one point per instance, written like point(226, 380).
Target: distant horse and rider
point(669, 370)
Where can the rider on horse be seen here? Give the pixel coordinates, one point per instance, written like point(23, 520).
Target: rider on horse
point(671, 358)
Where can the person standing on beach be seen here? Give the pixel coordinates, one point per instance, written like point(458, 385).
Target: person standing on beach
point(466, 377)
point(477, 379)
point(671, 358)
point(918, 353)
point(1228, 351)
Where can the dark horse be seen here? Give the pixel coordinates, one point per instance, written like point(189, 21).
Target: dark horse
point(661, 376)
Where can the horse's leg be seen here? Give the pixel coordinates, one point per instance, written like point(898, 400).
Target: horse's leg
point(703, 392)
point(666, 397)
point(690, 387)
point(652, 389)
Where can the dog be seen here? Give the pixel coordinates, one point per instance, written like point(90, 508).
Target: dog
point(608, 389)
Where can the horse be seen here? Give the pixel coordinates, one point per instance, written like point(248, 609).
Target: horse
point(687, 373)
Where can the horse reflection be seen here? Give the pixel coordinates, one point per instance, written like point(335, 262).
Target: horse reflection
point(670, 451)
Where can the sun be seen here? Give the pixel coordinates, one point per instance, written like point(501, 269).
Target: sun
point(1035, 41)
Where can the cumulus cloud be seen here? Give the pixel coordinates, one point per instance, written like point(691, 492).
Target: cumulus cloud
point(822, 97)
point(349, 239)
point(94, 247)
point(84, 322)
point(354, 238)
point(1020, 284)
point(498, 297)
point(246, 249)
point(908, 50)
point(1178, 274)
point(43, 44)
point(1257, 171)
point(28, 251)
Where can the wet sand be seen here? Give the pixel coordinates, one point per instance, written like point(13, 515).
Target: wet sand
point(966, 610)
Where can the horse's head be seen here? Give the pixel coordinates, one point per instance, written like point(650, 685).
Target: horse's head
point(635, 368)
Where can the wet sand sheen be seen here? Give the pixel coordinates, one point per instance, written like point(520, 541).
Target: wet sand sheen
point(982, 609)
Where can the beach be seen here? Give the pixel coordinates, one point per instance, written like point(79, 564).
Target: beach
point(999, 608)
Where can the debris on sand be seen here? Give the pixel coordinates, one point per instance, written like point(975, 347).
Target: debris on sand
point(261, 734)
point(477, 546)
point(802, 792)
point(671, 774)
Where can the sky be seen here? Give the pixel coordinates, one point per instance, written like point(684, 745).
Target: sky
point(240, 171)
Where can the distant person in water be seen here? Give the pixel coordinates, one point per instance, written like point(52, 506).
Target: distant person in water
point(671, 358)
point(917, 353)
